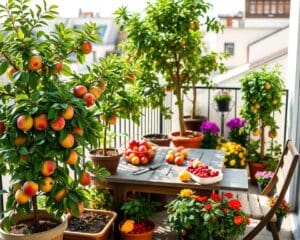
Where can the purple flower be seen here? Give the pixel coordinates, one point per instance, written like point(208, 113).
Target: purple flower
point(209, 127)
point(236, 123)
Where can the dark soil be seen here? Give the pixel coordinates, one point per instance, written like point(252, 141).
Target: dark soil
point(28, 227)
point(89, 222)
point(109, 152)
point(156, 136)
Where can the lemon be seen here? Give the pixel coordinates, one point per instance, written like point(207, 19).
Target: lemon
point(272, 134)
point(256, 132)
point(268, 86)
point(184, 176)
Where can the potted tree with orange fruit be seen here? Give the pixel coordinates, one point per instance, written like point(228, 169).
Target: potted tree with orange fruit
point(43, 123)
point(262, 96)
point(121, 99)
point(169, 38)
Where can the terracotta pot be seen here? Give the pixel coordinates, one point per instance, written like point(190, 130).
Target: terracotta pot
point(158, 139)
point(103, 235)
point(141, 236)
point(254, 167)
point(109, 162)
point(52, 234)
point(193, 124)
point(191, 140)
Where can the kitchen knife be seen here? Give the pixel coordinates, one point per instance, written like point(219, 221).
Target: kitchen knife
point(153, 167)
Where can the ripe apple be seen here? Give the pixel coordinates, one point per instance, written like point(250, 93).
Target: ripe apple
point(144, 160)
point(132, 143)
point(142, 149)
point(112, 120)
point(86, 47)
point(72, 158)
point(89, 99)
point(21, 197)
point(58, 124)
point(58, 67)
point(179, 160)
point(30, 188)
point(35, 63)
point(85, 179)
point(170, 158)
point(78, 131)
point(96, 91)
point(47, 184)
point(79, 91)
point(59, 196)
point(68, 141)
point(24, 122)
point(135, 160)
point(40, 122)
point(48, 168)
point(2, 127)
point(68, 113)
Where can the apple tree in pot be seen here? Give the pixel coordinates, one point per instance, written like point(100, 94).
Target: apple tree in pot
point(167, 37)
point(44, 123)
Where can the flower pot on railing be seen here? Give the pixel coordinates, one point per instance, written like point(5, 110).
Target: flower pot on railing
point(223, 105)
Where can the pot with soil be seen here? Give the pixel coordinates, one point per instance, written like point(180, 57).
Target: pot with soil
point(255, 167)
point(193, 124)
point(48, 227)
point(190, 140)
point(158, 139)
point(91, 225)
point(142, 231)
point(109, 160)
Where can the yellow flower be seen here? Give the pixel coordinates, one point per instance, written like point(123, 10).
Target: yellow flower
point(241, 155)
point(127, 226)
point(232, 162)
point(243, 163)
point(186, 192)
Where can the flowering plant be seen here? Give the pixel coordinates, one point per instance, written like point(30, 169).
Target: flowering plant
point(263, 177)
point(237, 131)
point(235, 155)
point(202, 217)
point(284, 207)
point(222, 95)
point(210, 130)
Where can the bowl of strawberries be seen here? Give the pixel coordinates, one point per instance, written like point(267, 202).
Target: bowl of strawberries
point(139, 152)
point(203, 174)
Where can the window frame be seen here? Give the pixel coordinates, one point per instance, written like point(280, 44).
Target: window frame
point(267, 4)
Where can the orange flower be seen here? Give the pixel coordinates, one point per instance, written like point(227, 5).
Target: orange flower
point(127, 226)
point(234, 204)
point(238, 220)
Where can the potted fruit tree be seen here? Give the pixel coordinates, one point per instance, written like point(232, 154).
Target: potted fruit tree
point(121, 99)
point(262, 96)
point(168, 36)
point(43, 124)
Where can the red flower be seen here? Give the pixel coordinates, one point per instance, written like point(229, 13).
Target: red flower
point(228, 195)
point(208, 207)
point(216, 197)
point(234, 204)
point(200, 199)
point(225, 210)
point(238, 220)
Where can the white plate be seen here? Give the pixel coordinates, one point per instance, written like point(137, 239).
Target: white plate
point(208, 180)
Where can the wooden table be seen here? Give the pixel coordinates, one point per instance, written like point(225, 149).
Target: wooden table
point(156, 181)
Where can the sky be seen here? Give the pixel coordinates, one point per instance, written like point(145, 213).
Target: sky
point(70, 8)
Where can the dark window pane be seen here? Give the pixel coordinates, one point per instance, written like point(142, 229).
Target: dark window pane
point(229, 47)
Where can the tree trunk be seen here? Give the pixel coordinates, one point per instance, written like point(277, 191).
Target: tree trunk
point(35, 209)
point(104, 138)
point(262, 141)
point(194, 99)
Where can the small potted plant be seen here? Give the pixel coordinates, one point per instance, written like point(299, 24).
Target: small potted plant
point(262, 92)
point(263, 178)
point(282, 212)
point(121, 99)
point(222, 99)
point(201, 217)
point(170, 50)
point(237, 131)
point(210, 131)
point(137, 224)
point(235, 155)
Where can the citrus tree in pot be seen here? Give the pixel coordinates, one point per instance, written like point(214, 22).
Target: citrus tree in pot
point(262, 96)
point(121, 99)
point(168, 36)
point(41, 118)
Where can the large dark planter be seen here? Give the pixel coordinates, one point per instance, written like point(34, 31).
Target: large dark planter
point(223, 106)
point(191, 140)
point(103, 235)
point(254, 167)
point(158, 139)
point(278, 224)
point(109, 162)
point(193, 124)
point(52, 234)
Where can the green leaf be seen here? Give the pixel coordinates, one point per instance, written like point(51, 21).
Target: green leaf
point(3, 67)
point(6, 224)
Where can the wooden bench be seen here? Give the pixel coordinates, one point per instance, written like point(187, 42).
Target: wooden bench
point(257, 206)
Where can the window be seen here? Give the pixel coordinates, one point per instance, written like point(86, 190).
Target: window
point(229, 47)
point(267, 8)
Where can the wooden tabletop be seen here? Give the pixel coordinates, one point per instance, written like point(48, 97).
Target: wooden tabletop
point(233, 179)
